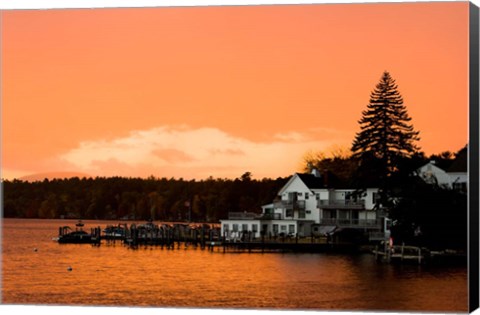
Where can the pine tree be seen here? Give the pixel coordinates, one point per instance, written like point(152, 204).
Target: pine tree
point(385, 135)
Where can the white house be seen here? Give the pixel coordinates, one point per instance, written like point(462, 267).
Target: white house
point(455, 177)
point(433, 174)
point(306, 205)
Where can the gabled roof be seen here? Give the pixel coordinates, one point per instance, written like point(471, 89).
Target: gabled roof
point(432, 166)
point(289, 182)
point(309, 180)
point(326, 180)
point(312, 181)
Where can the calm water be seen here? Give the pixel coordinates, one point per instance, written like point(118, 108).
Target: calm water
point(113, 275)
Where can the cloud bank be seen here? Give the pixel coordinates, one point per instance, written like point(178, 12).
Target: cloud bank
point(181, 151)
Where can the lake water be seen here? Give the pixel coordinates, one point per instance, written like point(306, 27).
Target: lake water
point(114, 275)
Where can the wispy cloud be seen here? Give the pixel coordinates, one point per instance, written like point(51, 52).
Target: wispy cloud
point(180, 151)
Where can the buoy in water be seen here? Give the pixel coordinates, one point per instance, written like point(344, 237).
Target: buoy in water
point(69, 268)
point(35, 250)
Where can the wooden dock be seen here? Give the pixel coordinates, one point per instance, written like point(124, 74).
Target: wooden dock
point(205, 236)
point(401, 254)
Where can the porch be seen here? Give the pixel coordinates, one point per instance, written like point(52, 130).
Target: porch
point(290, 204)
point(341, 204)
point(353, 223)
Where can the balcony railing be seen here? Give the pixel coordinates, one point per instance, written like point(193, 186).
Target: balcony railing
point(353, 223)
point(341, 204)
point(290, 204)
point(271, 216)
point(243, 215)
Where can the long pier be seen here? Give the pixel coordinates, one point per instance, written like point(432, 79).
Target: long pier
point(210, 238)
point(164, 235)
point(205, 236)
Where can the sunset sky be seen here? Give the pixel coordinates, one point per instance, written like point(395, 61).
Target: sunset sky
point(195, 92)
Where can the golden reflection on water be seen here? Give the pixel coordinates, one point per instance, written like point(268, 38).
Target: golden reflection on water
point(35, 271)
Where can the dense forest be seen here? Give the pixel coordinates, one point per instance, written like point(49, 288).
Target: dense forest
point(135, 198)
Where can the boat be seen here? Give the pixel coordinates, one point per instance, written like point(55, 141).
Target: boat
point(114, 232)
point(149, 225)
point(79, 236)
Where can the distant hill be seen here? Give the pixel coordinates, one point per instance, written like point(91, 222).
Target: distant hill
point(52, 175)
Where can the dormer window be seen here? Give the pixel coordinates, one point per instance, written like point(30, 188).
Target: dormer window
point(299, 194)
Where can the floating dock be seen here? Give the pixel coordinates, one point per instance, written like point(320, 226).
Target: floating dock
point(401, 253)
point(404, 254)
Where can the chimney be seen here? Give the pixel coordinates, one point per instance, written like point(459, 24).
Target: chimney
point(315, 172)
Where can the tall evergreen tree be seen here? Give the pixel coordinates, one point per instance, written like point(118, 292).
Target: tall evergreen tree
point(385, 136)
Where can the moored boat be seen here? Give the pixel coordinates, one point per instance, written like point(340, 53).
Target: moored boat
point(114, 232)
point(79, 236)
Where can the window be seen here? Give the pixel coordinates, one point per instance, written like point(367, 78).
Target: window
point(291, 228)
point(283, 228)
point(225, 228)
point(301, 214)
point(264, 228)
point(329, 214)
point(244, 227)
point(343, 214)
point(275, 228)
point(306, 196)
point(255, 228)
point(308, 212)
point(299, 194)
point(317, 196)
point(235, 227)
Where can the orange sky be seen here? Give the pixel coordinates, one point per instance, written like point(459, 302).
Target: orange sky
point(218, 91)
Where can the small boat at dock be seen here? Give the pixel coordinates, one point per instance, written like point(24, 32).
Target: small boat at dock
point(79, 236)
point(113, 232)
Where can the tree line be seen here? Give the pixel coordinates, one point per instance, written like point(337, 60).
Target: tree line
point(136, 198)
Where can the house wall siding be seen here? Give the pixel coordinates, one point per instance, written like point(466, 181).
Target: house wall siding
point(240, 224)
point(296, 185)
point(430, 173)
point(370, 198)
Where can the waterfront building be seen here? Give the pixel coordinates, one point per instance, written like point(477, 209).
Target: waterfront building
point(309, 205)
point(453, 177)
